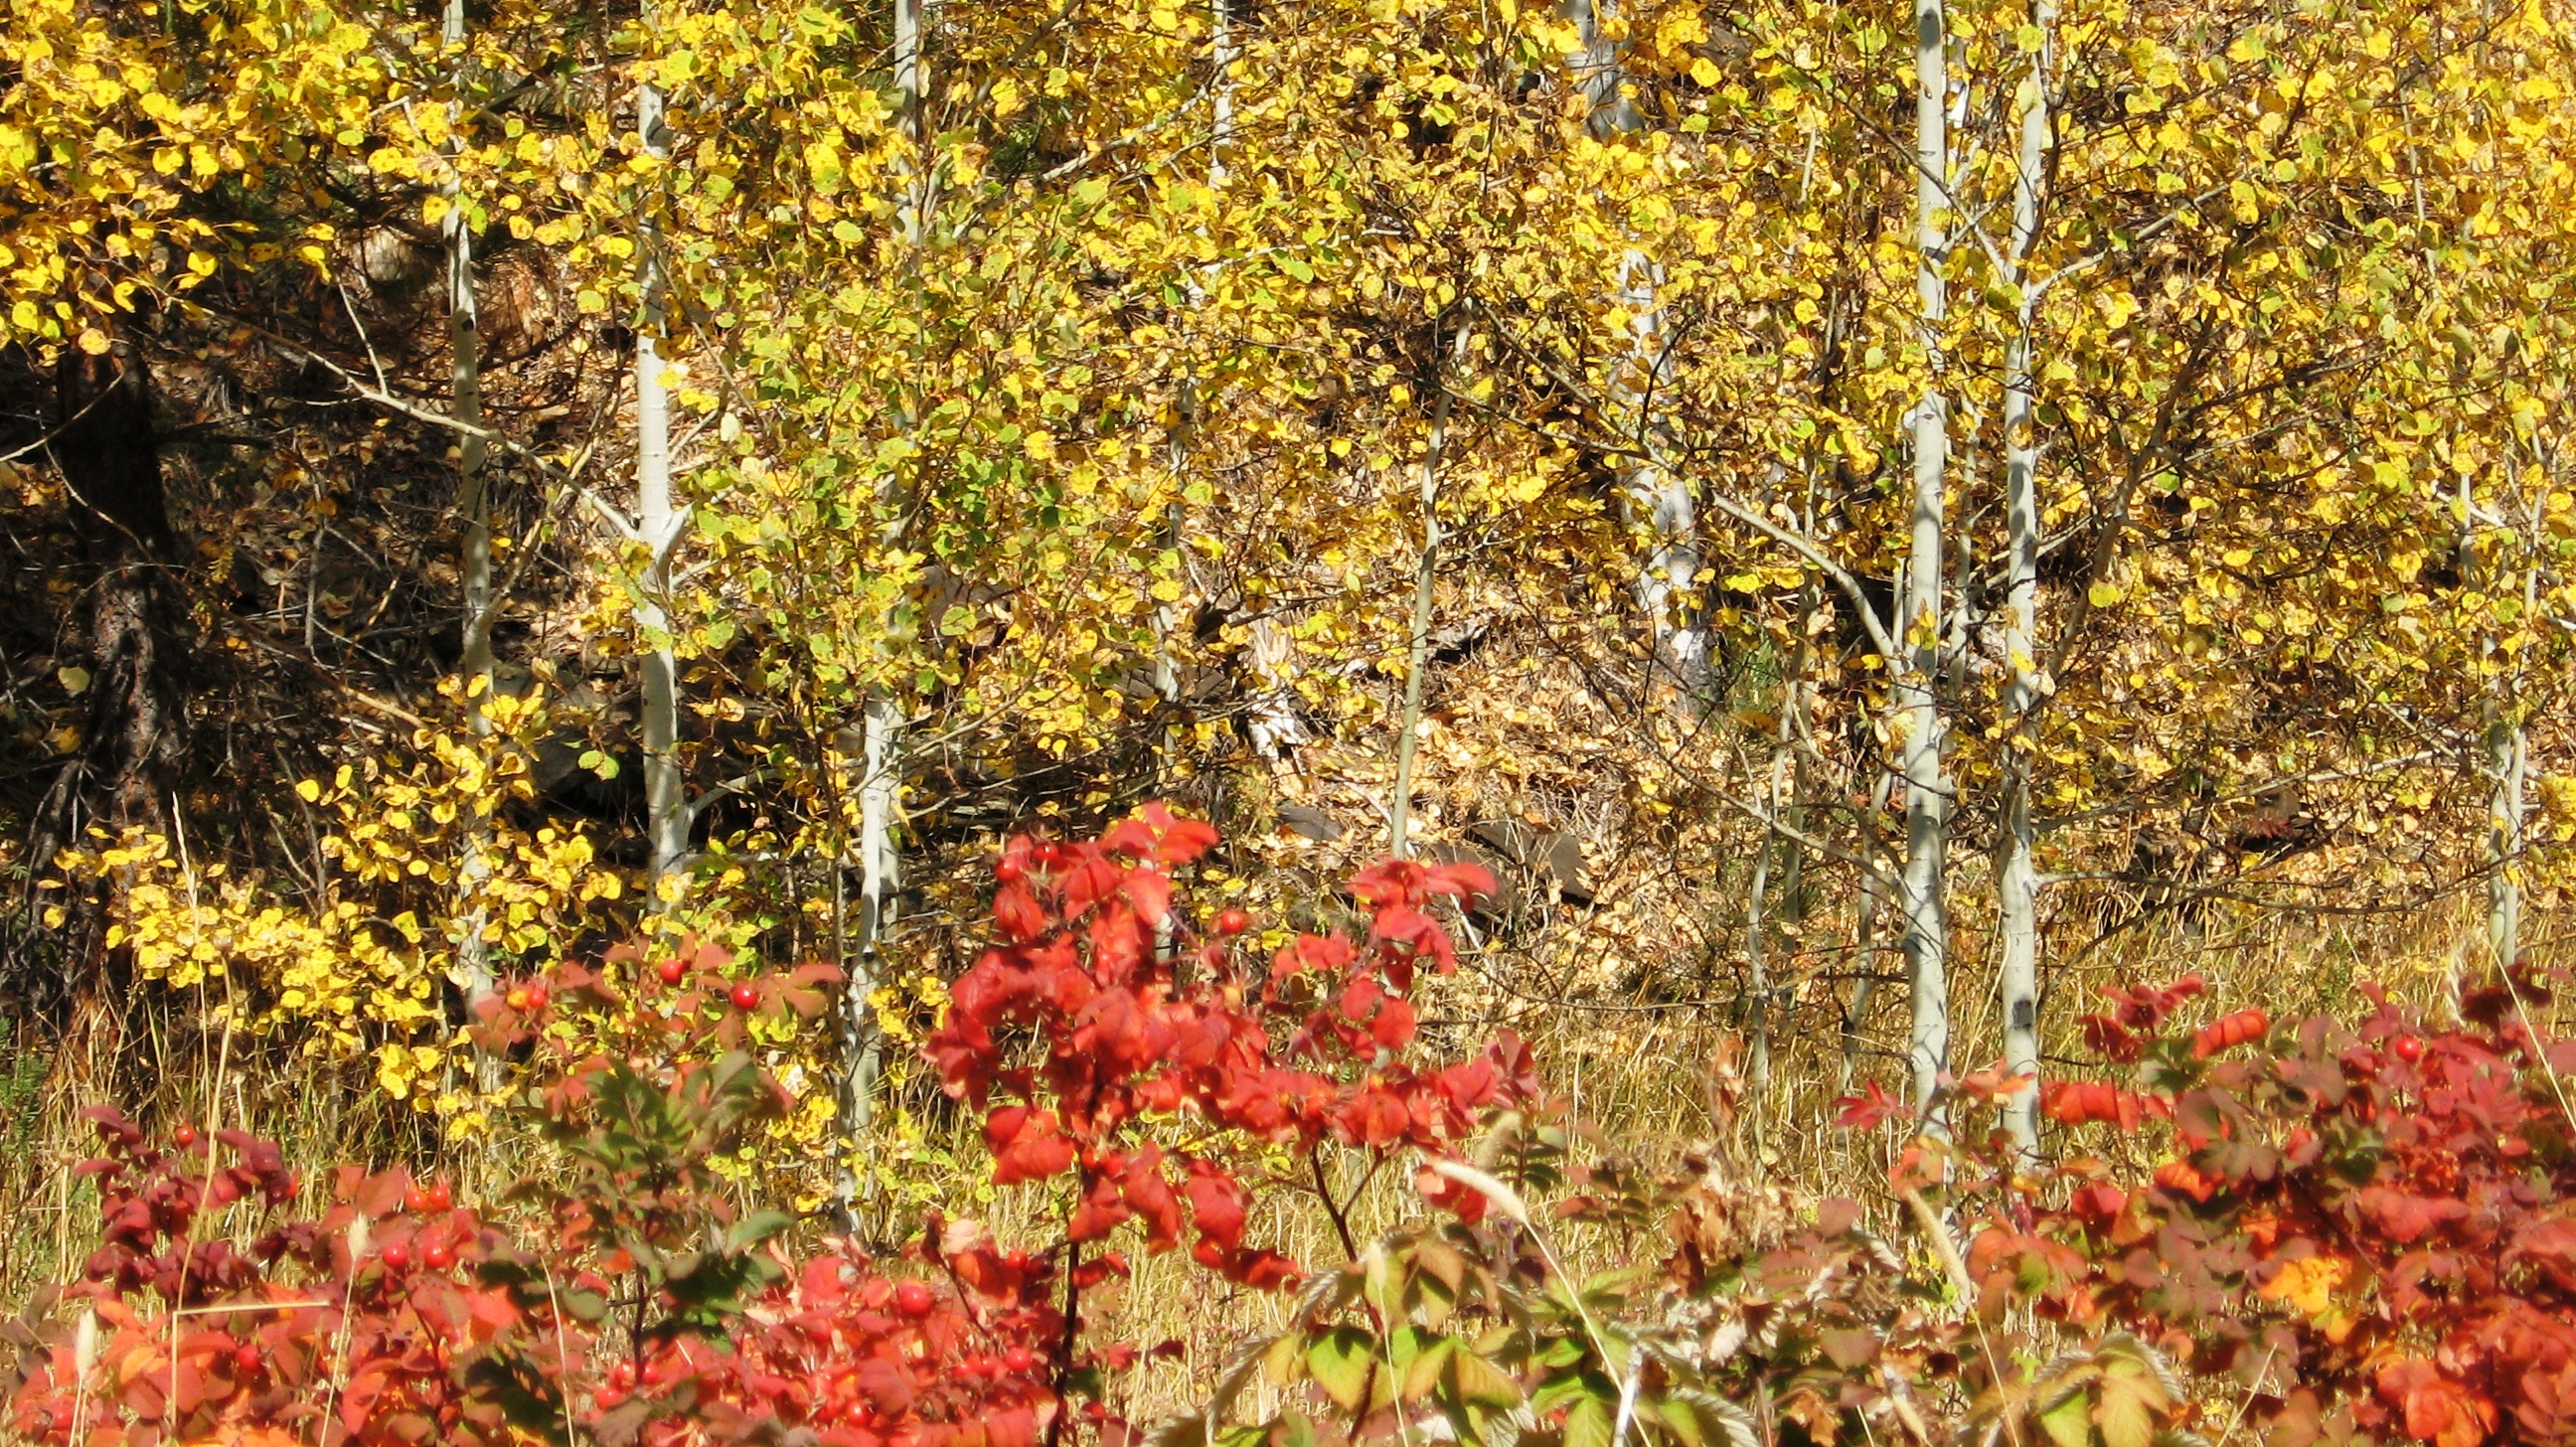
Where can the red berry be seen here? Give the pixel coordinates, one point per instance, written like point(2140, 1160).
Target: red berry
point(671, 971)
point(397, 1256)
point(1020, 1359)
point(912, 1299)
point(537, 997)
point(1233, 922)
point(441, 1198)
point(1050, 854)
point(416, 1201)
point(246, 1359)
point(185, 1136)
point(517, 999)
point(2408, 1048)
point(1008, 870)
point(746, 996)
point(439, 1257)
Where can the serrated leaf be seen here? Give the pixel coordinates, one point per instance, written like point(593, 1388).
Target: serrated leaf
point(1591, 1421)
point(1422, 1373)
point(2070, 1422)
point(1341, 1362)
point(2128, 1400)
point(1284, 1361)
point(1482, 1383)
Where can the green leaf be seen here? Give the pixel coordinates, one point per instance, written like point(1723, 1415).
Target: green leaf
point(755, 1228)
point(1422, 1374)
point(1590, 1421)
point(1482, 1383)
point(2070, 1422)
point(1341, 1362)
point(2130, 1401)
point(1285, 1362)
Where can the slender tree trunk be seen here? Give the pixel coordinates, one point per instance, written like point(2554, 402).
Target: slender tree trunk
point(1659, 499)
point(1425, 573)
point(473, 972)
point(2016, 873)
point(1865, 930)
point(2507, 765)
point(881, 725)
point(666, 808)
point(1756, 940)
point(1927, 805)
point(1185, 400)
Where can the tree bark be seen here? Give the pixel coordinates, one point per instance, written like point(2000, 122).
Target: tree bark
point(1655, 497)
point(472, 974)
point(881, 726)
point(1927, 813)
point(666, 805)
point(1426, 573)
point(2016, 873)
point(2506, 761)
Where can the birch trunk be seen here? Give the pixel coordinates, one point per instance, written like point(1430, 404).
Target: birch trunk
point(473, 970)
point(881, 725)
point(2507, 768)
point(1185, 403)
point(665, 802)
point(1418, 655)
point(1927, 813)
point(2016, 874)
point(1652, 495)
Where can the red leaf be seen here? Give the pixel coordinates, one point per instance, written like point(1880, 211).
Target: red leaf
point(1151, 1197)
point(1016, 913)
point(1870, 1109)
point(1028, 1145)
point(2437, 1409)
point(1393, 1028)
point(1218, 1203)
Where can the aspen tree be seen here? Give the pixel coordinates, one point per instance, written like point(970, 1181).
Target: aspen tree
point(1917, 673)
point(473, 971)
point(1653, 493)
point(658, 524)
point(2016, 876)
point(1426, 570)
point(881, 720)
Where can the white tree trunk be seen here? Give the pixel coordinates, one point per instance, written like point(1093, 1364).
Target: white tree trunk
point(1426, 572)
point(2016, 873)
point(2507, 764)
point(2505, 767)
point(1185, 400)
point(881, 727)
point(473, 970)
point(665, 791)
point(1667, 584)
point(1927, 804)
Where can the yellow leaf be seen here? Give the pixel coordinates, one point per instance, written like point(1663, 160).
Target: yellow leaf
point(2103, 595)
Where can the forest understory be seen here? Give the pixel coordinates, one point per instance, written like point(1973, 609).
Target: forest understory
point(1277, 724)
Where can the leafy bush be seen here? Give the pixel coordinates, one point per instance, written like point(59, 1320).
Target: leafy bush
point(2370, 1231)
point(2309, 1232)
